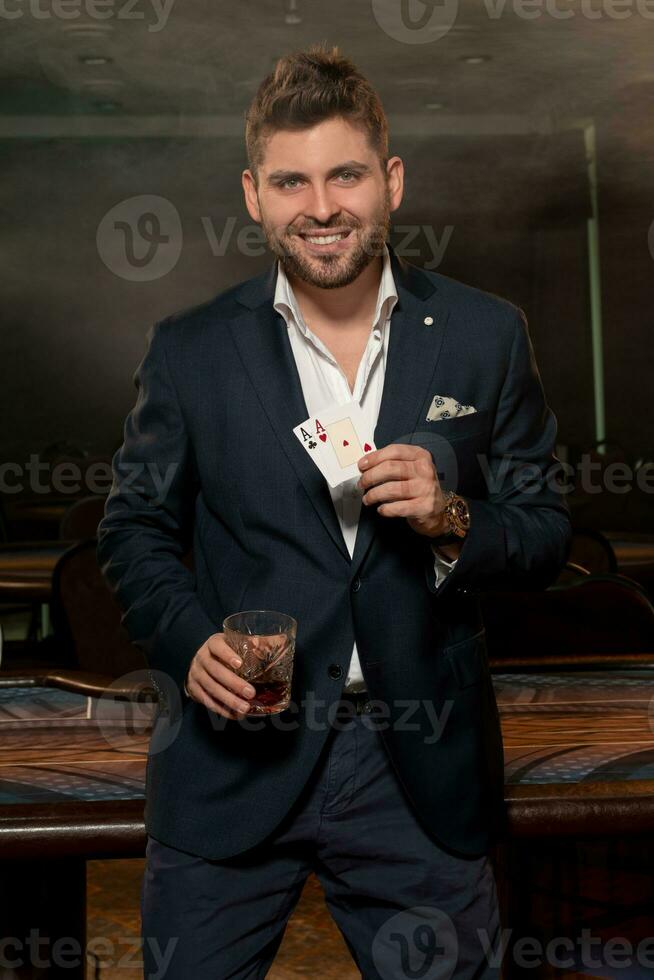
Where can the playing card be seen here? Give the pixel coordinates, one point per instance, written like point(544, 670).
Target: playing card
point(346, 438)
point(345, 442)
point(308, 437)
point(336, 439)
point(306, 433)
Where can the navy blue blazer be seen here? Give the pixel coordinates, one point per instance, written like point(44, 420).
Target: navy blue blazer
point(218, 397)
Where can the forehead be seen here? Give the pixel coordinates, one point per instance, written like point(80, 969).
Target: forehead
point(318, 147)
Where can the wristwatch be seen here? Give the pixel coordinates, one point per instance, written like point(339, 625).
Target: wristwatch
point(457, 516)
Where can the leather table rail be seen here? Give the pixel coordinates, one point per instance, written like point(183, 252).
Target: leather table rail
point(106, 828)
point(578, 756)
point(80, 682)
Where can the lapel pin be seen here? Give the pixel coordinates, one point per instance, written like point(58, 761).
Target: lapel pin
point(428, 321)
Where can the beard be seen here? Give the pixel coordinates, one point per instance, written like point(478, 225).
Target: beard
point(330, 271)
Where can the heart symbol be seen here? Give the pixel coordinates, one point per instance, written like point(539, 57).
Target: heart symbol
point(322, 436)
point(345, 442)
point(367, 447)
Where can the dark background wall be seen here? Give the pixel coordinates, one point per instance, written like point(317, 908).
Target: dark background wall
point(513, 211)
point(487, 103)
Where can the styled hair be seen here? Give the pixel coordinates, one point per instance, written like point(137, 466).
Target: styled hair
point(306, 88)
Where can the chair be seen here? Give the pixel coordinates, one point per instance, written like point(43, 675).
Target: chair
point(634, 551)
point(87, 619)
point(571, 572)
point(592, 550)
point(600, 619)
point(81, 519)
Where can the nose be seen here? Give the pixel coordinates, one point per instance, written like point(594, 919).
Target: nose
point(321, 207)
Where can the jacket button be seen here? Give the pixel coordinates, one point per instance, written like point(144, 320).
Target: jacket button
point(335, 671)
point(356, 584)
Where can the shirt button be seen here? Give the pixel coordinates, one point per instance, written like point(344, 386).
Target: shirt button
point(356, 584)
point(335, 671)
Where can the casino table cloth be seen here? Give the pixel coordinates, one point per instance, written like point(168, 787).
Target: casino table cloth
point(579, 758)
point(576, 742)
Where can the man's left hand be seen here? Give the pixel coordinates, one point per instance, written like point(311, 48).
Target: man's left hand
point(403, 481)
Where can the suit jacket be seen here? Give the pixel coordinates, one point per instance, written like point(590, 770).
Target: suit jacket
point(218, 397)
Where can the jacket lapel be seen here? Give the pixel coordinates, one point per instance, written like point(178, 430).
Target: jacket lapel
point(262, 340)
point(413, 351)
point(261, 337)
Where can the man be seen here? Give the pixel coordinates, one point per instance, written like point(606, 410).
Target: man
point(394, 808)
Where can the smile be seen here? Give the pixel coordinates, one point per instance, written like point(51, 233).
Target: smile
point(321, 243)
point(325, 239)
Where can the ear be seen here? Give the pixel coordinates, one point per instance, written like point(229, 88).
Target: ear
point(395, 178)
point(251, 198)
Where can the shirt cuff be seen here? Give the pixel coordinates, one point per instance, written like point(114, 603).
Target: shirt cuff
point(442, 567)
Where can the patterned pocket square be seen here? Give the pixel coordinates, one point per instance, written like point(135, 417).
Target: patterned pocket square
point(445, 407)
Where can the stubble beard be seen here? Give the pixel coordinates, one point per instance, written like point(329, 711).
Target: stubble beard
point(330, 271)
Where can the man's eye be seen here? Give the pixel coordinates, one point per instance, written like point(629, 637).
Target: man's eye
point(289, 180)
point(348, 173)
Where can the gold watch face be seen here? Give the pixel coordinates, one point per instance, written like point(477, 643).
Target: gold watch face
point(459, 516)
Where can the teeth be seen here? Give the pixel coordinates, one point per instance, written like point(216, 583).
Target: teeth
point(325, 239)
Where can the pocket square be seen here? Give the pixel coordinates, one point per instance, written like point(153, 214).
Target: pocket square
point(446, 407)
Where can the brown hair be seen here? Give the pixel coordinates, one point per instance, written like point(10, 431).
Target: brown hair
point(306, 88)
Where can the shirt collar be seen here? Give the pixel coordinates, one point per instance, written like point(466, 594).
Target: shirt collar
point(285, 303)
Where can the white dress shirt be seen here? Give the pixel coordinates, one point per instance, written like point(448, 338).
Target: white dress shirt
point(324, 383)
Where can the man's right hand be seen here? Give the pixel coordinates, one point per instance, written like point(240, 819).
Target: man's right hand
point(213, 681)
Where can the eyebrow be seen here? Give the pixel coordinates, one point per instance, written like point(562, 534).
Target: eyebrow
point(279, 176)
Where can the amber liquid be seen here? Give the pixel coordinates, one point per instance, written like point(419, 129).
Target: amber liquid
point(269, 694)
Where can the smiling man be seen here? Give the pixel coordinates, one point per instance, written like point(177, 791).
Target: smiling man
point(385, 774)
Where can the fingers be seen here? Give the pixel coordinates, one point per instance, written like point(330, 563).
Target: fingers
point(394, 490)
point(397, 450)
point(216, 685)
point(203, 697)
point(391, 480)
point(391, 469)
point(220, 649)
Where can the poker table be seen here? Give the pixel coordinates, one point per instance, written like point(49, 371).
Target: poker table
point(579, 755)
point(72, 764)
point(578, 750)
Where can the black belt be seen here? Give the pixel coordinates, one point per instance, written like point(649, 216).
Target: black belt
point(360, 700)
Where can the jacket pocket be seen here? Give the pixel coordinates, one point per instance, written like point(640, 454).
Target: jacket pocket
point(467, 658)
point(459, 427)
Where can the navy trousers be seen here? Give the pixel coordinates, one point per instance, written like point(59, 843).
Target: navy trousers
point(406, 907)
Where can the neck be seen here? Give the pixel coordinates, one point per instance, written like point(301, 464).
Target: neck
point(344, 305)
